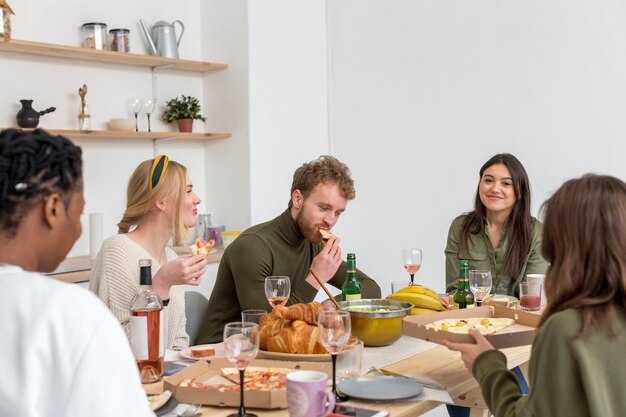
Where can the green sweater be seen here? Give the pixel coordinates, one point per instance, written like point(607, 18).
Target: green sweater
point(481, 255)
point(273, 248)
point(568, 377)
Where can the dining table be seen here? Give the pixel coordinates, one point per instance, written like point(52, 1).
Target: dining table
point(407, 356)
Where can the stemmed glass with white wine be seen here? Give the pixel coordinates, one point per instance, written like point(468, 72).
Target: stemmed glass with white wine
point(480, 285)
point(277, 290)
point(241, 343)
point(334, 331)
point(135, 105)
point(412, 259)
point(148, 107)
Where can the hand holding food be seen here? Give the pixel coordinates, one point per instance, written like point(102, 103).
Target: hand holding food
point(326, 262)
point(179, 271)
point(202, 247)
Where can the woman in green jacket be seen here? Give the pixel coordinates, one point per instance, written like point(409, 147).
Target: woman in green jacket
point(499, 235)
point(575, 365)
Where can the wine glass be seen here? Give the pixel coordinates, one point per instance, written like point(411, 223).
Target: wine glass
point(241, 343)
point(480, 284)
point(277, 290)
point(412, 259)
point(334, 331)
point(148, 107)
point(135, 105)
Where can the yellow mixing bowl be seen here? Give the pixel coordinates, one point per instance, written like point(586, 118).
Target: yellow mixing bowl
point(376, 322)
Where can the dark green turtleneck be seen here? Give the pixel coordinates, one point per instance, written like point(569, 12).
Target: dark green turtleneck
point(276, 247)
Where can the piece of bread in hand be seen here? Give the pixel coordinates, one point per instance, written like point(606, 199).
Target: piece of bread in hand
point(325, 234)
point(202, 352)
point(202, 247)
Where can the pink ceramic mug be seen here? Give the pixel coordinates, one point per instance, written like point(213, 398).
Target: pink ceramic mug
point(308, 395)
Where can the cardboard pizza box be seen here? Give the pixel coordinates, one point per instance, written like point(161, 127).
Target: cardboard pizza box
point(203, 372)
point(521, 333)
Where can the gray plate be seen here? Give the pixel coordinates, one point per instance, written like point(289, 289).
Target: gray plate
point(168, 407)
point(380, 388)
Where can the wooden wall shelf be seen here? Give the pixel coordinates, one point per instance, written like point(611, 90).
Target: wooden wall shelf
point(112, 57)
point(118, 134)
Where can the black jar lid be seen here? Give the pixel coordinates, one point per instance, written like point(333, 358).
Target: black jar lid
point(121, 31)
point(95, 24)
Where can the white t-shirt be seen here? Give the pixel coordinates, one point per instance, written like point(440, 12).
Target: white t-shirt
point(62, 352)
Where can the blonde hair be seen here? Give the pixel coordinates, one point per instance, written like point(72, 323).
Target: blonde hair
point(141, 200)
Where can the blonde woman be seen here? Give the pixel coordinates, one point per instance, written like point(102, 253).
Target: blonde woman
point(161, 205)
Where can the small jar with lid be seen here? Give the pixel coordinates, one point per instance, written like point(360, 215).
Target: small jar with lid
point(95, 35)
point(119, 40)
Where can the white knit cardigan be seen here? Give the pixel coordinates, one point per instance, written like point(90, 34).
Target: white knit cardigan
point(115, 280)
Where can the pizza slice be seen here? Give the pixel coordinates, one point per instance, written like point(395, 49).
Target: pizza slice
point(485, 325)
point(259, 378)
point(202, 247)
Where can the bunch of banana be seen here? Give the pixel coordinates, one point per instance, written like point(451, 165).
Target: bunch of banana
point(423, 298)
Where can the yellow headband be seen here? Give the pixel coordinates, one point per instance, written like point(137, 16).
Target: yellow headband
point(159, 165)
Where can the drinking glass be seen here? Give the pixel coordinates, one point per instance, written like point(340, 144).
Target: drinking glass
point(253, 315)
point(241, 343)
point(135, 105)
point(277, 290)
point(148, 107)
point(480, 284)
point(412, 259)
point(334, 331)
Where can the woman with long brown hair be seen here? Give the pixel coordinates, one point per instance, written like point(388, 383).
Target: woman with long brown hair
point(499, 235)
point(575, 364)
point(161, 205)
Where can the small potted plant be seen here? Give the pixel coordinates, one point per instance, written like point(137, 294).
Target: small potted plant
point(184, 110)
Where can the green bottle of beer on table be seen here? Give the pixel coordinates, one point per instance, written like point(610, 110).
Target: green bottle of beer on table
point(351, 289)
point(463, 297)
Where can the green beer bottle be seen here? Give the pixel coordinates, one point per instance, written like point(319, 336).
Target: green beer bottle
point(463, 297)
point(351, 288)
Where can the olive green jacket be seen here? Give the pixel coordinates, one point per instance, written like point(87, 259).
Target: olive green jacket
point(573, 377)
point(276, 247)
point(481, 255)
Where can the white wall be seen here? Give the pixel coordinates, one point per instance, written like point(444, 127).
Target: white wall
point(424, 92)
point(288, 97)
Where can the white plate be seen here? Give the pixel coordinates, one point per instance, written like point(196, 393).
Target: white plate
point(219, 352)
point(380, 388)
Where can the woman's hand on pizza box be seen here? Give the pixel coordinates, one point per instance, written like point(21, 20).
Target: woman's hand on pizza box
point(470, 351)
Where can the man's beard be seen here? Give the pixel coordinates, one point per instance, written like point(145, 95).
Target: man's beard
point(309, 231)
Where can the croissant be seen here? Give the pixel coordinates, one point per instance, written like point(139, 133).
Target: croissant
point(286, 336)
point(305, 312)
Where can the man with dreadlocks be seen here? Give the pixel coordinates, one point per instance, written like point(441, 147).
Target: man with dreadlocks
point(63, 352)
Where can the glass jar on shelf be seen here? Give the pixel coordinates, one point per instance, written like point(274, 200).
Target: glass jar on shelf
point(95, 35)
point(119, 40)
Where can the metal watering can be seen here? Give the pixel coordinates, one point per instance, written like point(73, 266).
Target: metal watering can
point(163, 40)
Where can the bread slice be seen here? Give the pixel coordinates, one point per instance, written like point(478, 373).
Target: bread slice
point(325, 234)
point(202, 352)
